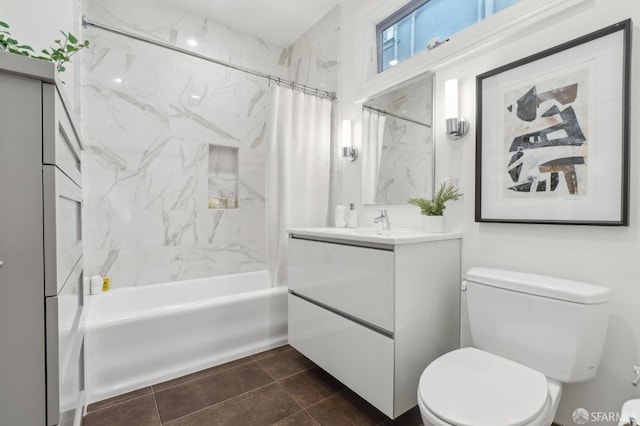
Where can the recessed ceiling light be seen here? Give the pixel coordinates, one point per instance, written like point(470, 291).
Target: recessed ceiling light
point(191, 42)
point(117, 80)
point(393, 62)
point(195, 97)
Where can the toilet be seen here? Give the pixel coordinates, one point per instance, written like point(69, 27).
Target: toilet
point(531, 334)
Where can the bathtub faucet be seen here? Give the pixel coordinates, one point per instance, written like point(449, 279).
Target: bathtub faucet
point(636, 371)
point(384, 218)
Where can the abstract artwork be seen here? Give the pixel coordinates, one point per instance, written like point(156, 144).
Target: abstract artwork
point(552, 134)
point(546, 137)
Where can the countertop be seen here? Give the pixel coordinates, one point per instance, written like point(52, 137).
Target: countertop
point(374, 235)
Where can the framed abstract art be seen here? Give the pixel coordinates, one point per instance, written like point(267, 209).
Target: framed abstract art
point(553, 134)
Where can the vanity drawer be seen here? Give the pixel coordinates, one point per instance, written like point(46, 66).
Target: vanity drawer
point(62, 227)
point(328, 340)
point(354, 280)
point(64, 341)
point(61, 146)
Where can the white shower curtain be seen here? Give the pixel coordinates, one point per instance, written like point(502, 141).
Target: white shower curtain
point(373, 128)
point(297, 170)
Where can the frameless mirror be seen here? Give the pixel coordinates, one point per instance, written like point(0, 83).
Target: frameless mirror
point(397, 144)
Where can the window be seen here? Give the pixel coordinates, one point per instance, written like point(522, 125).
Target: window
point(424, 24)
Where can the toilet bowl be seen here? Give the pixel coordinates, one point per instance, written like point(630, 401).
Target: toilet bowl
point(531, 334)
point(630, 409)
point(472, 387)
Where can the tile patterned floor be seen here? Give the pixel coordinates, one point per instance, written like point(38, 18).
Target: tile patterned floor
point(277, 387)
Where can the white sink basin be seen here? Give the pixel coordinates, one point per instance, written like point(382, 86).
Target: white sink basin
point(373, 235)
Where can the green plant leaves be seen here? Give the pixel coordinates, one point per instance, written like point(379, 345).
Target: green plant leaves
point(435, 207)
point(60, 55)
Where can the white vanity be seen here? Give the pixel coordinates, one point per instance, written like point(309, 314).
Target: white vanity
point(374, 309)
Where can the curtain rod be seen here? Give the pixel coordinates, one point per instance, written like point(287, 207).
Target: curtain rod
point(86, 22)
point(390, 114)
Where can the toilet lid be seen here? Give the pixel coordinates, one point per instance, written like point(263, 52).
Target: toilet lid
point(470, 387)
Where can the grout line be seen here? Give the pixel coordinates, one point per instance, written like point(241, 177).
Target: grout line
point(153, 390)
point(157, 409)
point(273, 354)
point(118, 403)
point(295, 414)
point(310, 415)
point(329, 397)
point(290, 375)
point(290, 396)
point(286, 391)
point(219, 402)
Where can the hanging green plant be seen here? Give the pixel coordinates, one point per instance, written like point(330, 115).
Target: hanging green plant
point(60, 54)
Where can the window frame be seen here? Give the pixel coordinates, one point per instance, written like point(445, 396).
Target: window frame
point(509, 25)
point(392, 19)
point(408, 9)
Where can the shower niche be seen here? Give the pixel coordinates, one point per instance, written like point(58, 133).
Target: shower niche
point(223, 177)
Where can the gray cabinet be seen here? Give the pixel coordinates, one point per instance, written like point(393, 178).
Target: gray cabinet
point(41, 277)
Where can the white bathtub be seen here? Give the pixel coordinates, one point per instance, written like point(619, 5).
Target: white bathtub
point(139, 336)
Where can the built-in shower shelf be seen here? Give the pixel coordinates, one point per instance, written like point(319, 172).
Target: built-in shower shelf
point(223, 177)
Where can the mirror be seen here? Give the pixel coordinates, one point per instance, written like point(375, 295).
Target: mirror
point(397, 144)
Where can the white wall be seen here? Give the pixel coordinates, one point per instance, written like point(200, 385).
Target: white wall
point(38, 23)
point(601, 255)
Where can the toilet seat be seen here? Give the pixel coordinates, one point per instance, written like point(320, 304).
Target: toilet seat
point(470, 387)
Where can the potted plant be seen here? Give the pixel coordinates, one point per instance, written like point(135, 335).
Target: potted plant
point(433, 210)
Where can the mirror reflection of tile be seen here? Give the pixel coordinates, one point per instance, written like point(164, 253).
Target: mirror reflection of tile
point(398, 155)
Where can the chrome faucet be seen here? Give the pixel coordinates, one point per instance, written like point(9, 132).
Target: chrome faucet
point(636, 371)
point(384, 218)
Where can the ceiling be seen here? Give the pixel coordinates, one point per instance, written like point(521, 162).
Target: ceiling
point(280, 21)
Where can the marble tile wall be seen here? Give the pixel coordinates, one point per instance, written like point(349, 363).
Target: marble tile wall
point(406, 165)
point(148, 118)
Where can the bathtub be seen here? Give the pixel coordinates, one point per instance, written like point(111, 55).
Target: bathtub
point(139, 336)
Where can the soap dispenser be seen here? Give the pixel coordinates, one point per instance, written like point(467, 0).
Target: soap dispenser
point(352, 216)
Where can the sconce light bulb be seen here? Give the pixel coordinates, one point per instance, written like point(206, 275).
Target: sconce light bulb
point(451, 98)
point(346, 133)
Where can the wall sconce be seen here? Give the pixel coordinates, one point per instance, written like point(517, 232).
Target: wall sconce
point(457, 126)
point(348, 151)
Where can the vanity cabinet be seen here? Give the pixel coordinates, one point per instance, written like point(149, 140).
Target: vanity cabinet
point(374, 312)
point(41, 269)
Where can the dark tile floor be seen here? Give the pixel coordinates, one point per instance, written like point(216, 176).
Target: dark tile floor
point(276, 387)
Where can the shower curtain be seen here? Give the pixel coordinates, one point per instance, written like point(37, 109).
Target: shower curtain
point(297, 170)
point(372, 140)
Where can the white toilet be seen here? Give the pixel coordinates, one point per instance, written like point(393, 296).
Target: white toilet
point(531, 334)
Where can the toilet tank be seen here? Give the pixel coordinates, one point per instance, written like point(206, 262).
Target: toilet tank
point(552, 325)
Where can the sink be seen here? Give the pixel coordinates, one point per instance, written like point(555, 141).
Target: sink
point(373, 235)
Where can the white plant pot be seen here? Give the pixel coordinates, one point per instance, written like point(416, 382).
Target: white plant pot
point(434, 224)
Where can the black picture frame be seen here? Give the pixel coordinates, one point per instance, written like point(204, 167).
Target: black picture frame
point(552, 134)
